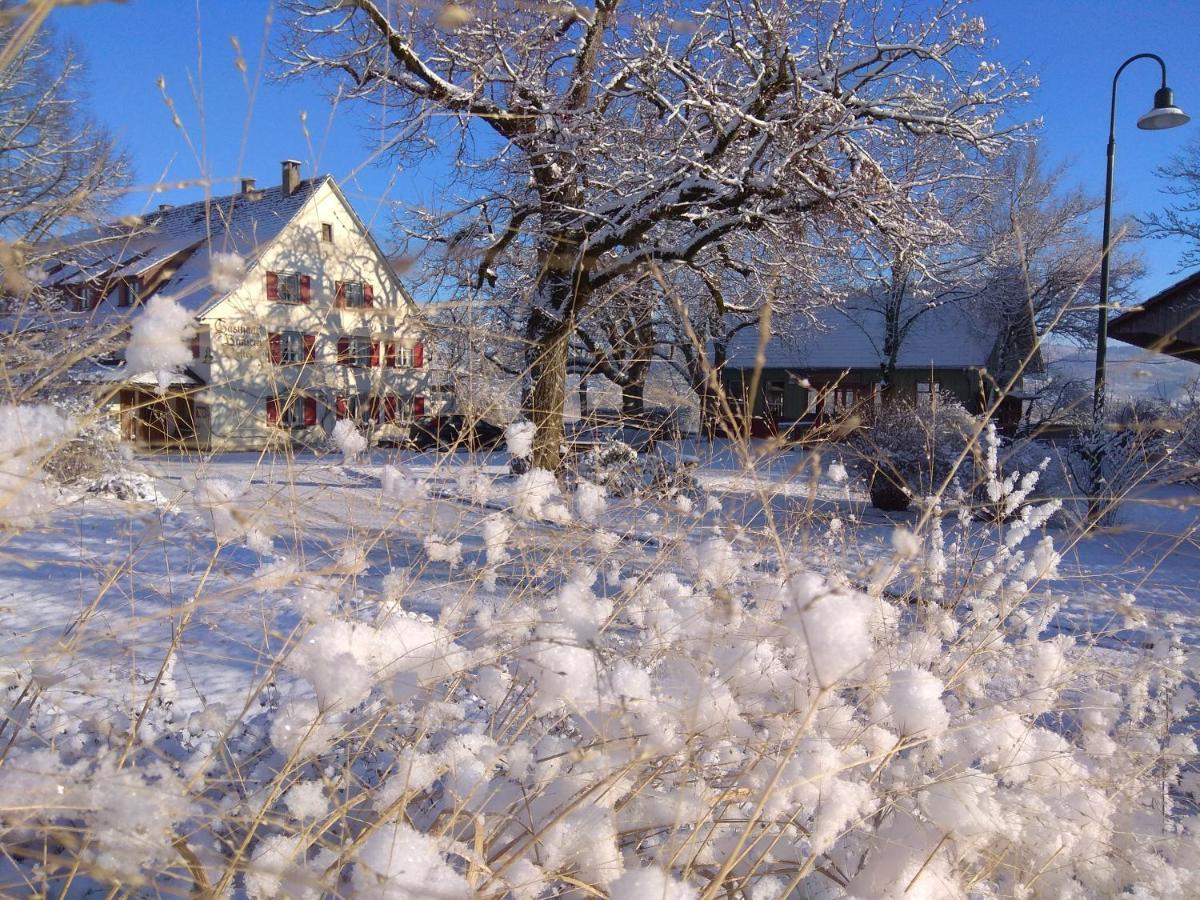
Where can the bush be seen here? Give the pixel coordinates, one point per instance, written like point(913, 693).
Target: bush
point(913, 448)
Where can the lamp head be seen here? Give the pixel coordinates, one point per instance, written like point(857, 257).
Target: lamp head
point(1165, 113)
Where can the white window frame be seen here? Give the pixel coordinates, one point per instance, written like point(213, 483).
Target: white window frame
point(291, 348)
point(347, 294)
point(359, 351)
point(291, 415)
point(287, 287)
point(404, 357)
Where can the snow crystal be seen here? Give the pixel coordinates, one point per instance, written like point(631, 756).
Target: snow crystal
point(519, 438)
point(226, 271)
point(497, 530)
point(279, 867)
point(833, 626)
point(915, 697)
point(719, 562)
point(219, 498)
point(399, 485)
point(650, 884)
point(589, 501)
point(536, 496)
point(27, 435)
point(399, 863)
point(349, 440)
point(443, 550)
point(158, 341)
point(906, 544)
point(306, 800)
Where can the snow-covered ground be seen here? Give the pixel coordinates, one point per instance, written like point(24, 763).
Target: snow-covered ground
point(108, 584)
point(280, 672)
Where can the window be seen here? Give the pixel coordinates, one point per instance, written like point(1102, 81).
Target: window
point(127, 292)
point(292, 412)
point(291, 348)
point(927, 392)
point(358, 351)
point(327, 232)
point(288, 287)
point(843, 398)
point(773, 400)
point(355, 294)
point(84, 297)
point(406, 357)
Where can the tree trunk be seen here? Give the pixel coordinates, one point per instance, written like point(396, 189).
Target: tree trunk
point(633, 395)
point(548, 345)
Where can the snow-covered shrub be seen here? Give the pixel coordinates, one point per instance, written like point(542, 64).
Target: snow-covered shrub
point(614, 466)
point(454, 700)
point(914, 448)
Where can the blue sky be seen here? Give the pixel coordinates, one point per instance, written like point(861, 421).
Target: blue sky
point(232, 126)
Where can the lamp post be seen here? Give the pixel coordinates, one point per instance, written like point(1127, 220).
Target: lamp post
point(1164, 114)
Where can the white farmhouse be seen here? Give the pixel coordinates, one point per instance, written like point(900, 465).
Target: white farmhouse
point(300, 320)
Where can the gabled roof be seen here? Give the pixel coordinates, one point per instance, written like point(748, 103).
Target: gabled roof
point(944, 337)
point(245, 224)
point(1169, 322)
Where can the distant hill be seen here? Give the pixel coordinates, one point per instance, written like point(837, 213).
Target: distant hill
point(1132, 371)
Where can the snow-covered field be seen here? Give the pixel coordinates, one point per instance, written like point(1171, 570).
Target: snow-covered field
point(162, 626)
point(110, 581)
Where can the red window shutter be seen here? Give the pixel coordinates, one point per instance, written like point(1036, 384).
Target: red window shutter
point(272, 410)
point(344, 351)
point(418, 406)
point(341, 408)
point(368, 295)
point(276, 348)
point(310, 410)
point(340, 294)
point(374, 353)
point(373, 409)
point(418, 355)
point(390, 356)
point(390, 408)
point(195, 346)
point(310, 347)
point(272, 286)
point(305, 288)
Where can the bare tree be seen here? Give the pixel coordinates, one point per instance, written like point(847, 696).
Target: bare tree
point(629, 134)
point(1181, 177)
point(1042, 258)
point(58, 169)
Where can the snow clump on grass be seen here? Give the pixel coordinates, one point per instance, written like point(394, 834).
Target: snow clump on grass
point(440, 549)
point(536, 496)
point(349, 440)
point(519, 439)
point(158, 340)
point(28, 434)
point(700, 713)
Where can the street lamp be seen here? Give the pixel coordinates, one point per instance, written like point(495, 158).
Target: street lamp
point(1164, 114)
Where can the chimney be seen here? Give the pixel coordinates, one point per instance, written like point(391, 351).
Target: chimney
point(163, 207)
point(291, 176)
point(247, 185)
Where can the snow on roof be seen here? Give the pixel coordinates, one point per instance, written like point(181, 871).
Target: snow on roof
point(951, 337)
point(237, 223)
